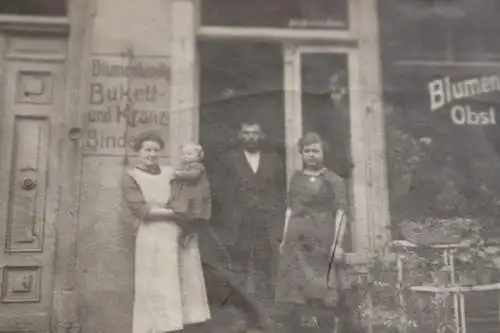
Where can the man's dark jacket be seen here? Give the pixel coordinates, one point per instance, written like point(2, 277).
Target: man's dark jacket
point(250, 202)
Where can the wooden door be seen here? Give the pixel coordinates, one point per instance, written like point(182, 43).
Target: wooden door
point(29, 161)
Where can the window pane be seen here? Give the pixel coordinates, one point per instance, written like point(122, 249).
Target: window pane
point(475, 35)
point(276, 13)
point(412, 31)
point(440, 30)
point(33, 7)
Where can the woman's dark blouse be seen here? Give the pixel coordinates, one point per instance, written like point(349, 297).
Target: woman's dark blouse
point(303, 196)
point(132, 193)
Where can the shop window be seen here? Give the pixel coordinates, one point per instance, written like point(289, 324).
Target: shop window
point(276, 13)
point(442, 161)
point(475, 35)
point(438, 165)
point(34, 7)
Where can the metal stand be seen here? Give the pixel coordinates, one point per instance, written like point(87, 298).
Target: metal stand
point(458, 291)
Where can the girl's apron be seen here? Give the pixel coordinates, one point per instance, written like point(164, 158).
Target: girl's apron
point(169, 283)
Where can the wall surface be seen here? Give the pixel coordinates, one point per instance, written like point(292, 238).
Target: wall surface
point(122, 33)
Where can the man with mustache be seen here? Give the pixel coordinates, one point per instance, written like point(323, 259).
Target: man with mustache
point(251, 188)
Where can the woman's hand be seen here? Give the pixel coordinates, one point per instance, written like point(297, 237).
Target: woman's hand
point(169, 212)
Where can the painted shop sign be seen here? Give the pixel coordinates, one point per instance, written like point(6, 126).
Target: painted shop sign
point(126, 96)
point(461, 98)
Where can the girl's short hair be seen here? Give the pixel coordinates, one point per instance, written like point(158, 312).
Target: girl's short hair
point(148, 136)
point(196, 146)
point(311, 138)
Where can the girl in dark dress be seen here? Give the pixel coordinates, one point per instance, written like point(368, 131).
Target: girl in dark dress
point(314, 227)
point(190, 192)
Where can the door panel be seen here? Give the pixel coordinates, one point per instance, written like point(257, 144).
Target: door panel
point(325, 105)
point(28, 184)
point(28, 194)
point(320, 85)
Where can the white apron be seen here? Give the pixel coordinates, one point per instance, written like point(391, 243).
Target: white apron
point(169, 283)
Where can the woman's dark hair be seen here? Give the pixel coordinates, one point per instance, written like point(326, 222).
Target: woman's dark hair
point(148, 136)
point(311, 138)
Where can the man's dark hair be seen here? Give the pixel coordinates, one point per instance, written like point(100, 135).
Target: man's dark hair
point(250, 122)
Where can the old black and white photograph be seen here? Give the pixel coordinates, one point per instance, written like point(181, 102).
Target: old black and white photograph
point(258, 166)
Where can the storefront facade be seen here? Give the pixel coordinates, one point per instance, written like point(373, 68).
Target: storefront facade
point(440, 90)
point(89, 78)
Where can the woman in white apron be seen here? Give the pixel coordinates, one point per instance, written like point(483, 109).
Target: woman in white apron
point(169, 284)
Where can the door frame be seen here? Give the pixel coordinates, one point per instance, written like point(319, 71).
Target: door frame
point(35, 262)
point(370, 202)
point(74, 57)
point(293, 115)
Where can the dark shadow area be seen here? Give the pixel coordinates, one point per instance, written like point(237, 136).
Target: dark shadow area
point(240, 81)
